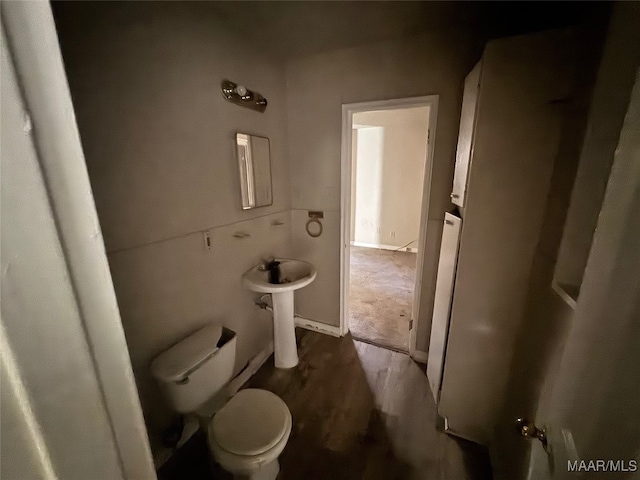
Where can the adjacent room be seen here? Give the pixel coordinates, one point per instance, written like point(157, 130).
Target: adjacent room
point(388, 160)
point(319, 240)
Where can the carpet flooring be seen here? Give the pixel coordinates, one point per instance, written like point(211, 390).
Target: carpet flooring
point(381, 296)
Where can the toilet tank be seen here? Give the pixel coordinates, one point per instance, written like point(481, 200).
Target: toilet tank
point(196, 368)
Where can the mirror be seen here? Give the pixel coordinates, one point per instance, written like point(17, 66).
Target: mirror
point(254, 161)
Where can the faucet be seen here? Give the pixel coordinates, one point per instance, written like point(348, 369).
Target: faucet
point(272, 267)
point(266, 264)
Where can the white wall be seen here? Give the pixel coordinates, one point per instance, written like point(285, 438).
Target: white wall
point(388, 207)
point(354, 180)
point(317, 87)
point(159, 141)
point(368, 164)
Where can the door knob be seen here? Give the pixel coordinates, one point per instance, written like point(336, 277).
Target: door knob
point(529, 430)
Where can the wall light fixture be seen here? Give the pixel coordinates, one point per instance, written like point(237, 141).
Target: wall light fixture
point(240, 95)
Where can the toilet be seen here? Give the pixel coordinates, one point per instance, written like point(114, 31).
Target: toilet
point(247, 434)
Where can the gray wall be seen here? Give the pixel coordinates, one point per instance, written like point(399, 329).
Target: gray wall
point(157, 133)
point(159, 141)
point(317, 86)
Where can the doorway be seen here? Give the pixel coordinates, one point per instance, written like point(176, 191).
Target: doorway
point(387, 152)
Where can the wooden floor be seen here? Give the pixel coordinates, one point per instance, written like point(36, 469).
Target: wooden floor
point(359, 412)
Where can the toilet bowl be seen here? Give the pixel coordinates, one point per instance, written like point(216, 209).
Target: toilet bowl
point(248, 434)
point(245, 435)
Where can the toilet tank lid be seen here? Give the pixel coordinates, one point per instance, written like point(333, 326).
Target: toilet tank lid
point(187, 355)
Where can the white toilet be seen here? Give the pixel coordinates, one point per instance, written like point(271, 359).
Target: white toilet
point(248, 433)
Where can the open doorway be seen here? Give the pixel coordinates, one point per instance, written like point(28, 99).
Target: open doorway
point(388, 163)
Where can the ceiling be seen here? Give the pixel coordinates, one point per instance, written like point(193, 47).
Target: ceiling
point(288, 29)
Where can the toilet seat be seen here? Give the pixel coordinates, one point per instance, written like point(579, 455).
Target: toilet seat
point(253, 422)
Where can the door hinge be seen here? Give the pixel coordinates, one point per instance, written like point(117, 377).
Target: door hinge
point(411, 324)
point(428, 136)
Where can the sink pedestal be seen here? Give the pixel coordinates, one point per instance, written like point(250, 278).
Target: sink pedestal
point(294, 274)
point(284, 332)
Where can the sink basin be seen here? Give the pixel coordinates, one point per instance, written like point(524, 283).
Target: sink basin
point(294, 274)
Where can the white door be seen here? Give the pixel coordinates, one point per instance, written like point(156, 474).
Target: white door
point(465, 135)
point(515, 147)
point(591, 409)
point(69, 405)
point(442, 301)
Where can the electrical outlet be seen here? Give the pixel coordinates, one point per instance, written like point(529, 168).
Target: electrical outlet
point(207, 240)
point(393, 235)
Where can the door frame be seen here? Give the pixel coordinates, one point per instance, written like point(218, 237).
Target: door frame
point(348, 110)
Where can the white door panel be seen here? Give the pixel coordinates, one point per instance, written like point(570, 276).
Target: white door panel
point(465, 135)
point(515, 144)
point(442, 302)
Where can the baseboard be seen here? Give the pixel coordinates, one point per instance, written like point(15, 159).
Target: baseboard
point(312, 325)
point(420, 356)
point(382, 246)
point(317, 326)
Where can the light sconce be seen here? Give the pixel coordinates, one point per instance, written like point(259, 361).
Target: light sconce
point(240, 95)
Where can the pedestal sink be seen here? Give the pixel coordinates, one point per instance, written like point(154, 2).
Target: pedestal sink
point(294, 274)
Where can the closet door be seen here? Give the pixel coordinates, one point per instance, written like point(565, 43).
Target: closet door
point(443, 298)
point(465, 136)
point(516, 141)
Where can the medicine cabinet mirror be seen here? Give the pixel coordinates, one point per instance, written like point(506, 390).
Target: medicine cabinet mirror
point(254, 161)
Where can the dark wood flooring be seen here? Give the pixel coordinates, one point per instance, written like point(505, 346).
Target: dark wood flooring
point(359, 412)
